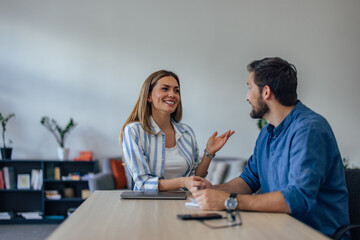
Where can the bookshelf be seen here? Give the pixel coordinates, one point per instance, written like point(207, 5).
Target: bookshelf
point(70, 184)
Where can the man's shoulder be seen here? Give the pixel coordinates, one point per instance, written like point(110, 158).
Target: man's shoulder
point(306, 117)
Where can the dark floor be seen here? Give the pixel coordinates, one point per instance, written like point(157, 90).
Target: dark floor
point(26, 231)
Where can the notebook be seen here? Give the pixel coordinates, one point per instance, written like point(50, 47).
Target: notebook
point(153, 195)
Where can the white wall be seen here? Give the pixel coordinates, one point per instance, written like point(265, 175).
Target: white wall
point(88, 60)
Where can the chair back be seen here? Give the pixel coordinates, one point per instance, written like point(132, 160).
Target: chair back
point(352, 177)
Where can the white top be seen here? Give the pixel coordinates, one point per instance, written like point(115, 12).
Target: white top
point(144, 153)
point(175, 164)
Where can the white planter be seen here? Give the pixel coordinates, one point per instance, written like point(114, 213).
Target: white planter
point(63, 153)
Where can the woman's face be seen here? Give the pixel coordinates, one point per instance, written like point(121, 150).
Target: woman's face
point(165, 96)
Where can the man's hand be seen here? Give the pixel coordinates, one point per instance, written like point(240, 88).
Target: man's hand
point(207, 185)
point(204, 184)
point(193, 182)
point(210, 199)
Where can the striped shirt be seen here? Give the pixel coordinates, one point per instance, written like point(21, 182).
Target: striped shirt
point(144, 153)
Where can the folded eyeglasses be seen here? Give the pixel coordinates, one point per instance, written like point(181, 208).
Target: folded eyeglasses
point(232, 217)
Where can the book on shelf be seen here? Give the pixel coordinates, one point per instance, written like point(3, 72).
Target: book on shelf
point(50, 170)
point(6, 215)
point(36, 179)
point(31, 215)
point(2, 186)
point(9, 177)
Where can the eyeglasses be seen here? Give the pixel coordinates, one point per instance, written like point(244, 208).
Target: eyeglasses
point(233, 219)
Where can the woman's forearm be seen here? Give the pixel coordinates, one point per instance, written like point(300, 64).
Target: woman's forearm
point(170, 184)
point(202, 168)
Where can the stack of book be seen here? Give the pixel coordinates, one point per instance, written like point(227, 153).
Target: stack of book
point(84, 156)
point(71, 176)
point(52, 194)
point(6, 215)
point(31, 215)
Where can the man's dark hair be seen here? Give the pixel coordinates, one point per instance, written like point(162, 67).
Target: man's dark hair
point(279, 75)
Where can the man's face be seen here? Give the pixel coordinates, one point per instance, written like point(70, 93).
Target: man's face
point(258, 106)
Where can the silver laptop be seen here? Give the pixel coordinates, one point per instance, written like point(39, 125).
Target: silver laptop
point(153, 195)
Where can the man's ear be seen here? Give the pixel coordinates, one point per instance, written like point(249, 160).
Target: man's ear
point(266, 92)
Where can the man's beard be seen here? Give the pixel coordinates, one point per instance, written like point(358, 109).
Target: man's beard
point(260, 111)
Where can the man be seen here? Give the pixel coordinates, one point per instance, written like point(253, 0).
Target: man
point(296, 160)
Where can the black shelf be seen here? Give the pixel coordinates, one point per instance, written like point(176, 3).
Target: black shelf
point(64, 181)
point(21, 220)
point(30, 200)
point(20, 190)
point(65, 200)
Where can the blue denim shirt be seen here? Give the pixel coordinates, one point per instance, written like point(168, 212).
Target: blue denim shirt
point(300, 158)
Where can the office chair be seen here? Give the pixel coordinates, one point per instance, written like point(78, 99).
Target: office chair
point(352, 177)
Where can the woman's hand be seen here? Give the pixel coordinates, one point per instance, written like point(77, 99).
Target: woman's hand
point(215, 143)
point(206, 185)
point(194, 182)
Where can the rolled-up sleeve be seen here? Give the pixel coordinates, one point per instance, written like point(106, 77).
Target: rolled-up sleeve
point(250, 174)
point(136, 163)
point(308, 169)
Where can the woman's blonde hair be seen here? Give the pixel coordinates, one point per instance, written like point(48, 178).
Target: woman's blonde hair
point(142, 109)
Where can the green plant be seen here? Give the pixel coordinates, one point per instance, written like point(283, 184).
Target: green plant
point(56, 130)
point(4, 121)
point(261, 123)
point(345, 163)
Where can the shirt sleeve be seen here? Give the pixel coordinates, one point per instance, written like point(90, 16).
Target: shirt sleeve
point(196, 159)
point(195, 150)
point(136, 162)
point(309, 164)
point(250, 174)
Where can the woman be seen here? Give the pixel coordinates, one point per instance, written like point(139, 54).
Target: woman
point(160, 152)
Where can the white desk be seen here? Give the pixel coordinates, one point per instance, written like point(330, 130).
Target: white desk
point(105, 216)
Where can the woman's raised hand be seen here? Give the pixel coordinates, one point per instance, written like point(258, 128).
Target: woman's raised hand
point(215, 143)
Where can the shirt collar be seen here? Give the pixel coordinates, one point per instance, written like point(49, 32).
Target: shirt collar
point(156, 129)
point(179, 130)
point(286, 122)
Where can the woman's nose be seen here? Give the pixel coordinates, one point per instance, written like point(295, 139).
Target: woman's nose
point(171, 93)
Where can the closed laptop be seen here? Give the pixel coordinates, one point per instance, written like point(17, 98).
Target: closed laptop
point(153, 195)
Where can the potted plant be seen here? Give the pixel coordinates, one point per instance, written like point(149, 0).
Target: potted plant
point(261, 123)
point(59, 133)
point(5, 151)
